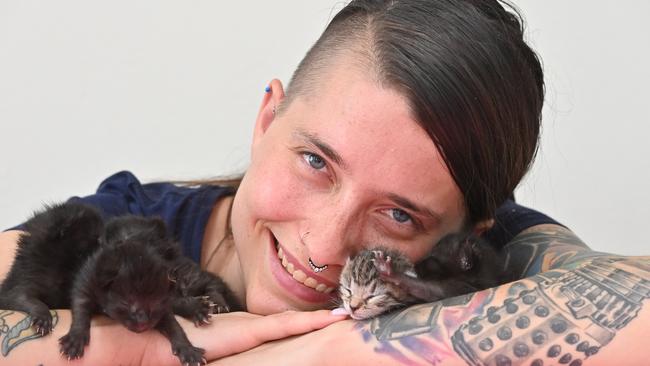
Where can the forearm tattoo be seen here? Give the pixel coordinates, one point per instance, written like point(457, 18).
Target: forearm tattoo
point(13, 333)
point(564, 315)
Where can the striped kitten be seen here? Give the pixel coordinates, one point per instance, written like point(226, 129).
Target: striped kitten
point(364, 293)
point(379, 279)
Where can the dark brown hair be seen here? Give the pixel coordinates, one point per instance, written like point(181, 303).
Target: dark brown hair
point(471, 80)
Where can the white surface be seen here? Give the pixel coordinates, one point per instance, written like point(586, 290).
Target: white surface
point(170, 90)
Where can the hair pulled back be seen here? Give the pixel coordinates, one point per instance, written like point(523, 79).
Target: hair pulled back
point(471, 81)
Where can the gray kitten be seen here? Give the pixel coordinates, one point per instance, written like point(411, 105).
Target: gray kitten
point(378, 280)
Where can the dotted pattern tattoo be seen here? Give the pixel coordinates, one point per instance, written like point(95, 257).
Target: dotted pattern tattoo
point(564, 320)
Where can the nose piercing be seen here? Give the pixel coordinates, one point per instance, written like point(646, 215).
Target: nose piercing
point(316, 268)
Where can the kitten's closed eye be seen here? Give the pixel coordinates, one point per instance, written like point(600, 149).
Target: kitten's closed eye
point(379, 279)
point(364, 293)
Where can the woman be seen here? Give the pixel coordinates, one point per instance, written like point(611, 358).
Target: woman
point(405, 122)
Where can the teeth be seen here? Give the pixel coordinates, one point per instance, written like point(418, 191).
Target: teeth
point(310, 282)
point(300, 276)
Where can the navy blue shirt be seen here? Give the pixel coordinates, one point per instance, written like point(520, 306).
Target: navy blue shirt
point(186, 210)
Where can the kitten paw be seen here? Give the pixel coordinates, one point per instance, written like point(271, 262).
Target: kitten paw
point(72, 344)
point(42, 323)
point(383, 263)
point(202, 311)
point(218, 304)
point(199, 309)
point(189, 355)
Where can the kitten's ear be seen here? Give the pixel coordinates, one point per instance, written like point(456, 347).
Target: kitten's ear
point(169, 250)
point(115, 231)
point(126, 228)
point(158, 228)
point(466, 255)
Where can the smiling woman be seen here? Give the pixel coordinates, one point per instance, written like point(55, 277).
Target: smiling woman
point(405, 122)
point(309, 173)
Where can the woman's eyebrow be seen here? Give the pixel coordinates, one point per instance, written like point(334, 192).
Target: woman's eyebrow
point(405, 202)
point(323, 146)
point(328, 151)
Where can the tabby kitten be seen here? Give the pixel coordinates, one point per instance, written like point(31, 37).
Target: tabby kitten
point(379, 279)
point(364, 294)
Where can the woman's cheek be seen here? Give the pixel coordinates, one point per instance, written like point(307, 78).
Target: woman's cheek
point(279, 194)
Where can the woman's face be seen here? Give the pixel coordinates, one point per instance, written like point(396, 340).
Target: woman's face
point(345, 169)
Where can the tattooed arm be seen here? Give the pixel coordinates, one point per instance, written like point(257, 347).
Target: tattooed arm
point(112, 344)
point(20, 344)
point(576, 307)
point(546, 247)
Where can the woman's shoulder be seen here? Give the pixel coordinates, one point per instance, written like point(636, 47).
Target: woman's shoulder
point(123, 193)
point(511, 219)
point(125, 181)
point(184, 208)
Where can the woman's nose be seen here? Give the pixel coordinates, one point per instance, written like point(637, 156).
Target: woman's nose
point(330, 237)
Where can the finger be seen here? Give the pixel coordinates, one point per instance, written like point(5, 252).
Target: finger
point(243, 331)
point(290, 323)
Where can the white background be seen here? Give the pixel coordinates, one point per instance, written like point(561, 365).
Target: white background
point(170, 90)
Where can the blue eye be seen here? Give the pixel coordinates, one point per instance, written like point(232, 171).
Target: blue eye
point(400, 215)
point(314, 160)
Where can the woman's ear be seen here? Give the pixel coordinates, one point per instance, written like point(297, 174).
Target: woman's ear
point(273, 96)
point(483, 226)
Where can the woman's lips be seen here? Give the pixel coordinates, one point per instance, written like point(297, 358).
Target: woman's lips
point(301, 282)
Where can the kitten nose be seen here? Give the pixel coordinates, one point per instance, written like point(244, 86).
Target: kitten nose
point(355, 303)
point(140, 316)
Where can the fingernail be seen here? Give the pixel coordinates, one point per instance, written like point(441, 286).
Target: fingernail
point(267, 89)
point(339, 311)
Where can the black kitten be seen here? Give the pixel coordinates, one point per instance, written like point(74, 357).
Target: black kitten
point(131, 272)
point(380, 279)
point(56, 244)
point(460, 264)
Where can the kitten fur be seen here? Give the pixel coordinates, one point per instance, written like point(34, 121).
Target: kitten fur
point(379, 279)
point(131, 272)
point(43, 266)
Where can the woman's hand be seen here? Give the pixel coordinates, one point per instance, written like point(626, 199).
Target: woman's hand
point(112, 344)
point(237, 332)
point(339, 343)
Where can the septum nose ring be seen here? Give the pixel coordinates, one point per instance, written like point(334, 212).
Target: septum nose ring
point(316, 268)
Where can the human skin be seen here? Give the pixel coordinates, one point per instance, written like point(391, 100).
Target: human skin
point(330, 208)
point(540, 251)
point(343, 207)
point(386, 159)
point(613, 332)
